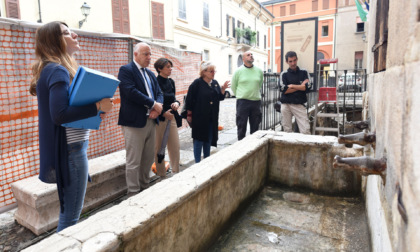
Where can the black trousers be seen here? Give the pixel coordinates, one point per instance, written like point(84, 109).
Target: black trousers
point(247, 109)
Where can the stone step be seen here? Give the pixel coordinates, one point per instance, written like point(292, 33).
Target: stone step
point(38, 204)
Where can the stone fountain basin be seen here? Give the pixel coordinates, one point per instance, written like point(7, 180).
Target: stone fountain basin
point(190, 210)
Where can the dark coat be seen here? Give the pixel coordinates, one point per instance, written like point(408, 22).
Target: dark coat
point(135, 102)
point(204, 102)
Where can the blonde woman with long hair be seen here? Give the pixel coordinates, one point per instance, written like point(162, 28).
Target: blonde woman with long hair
point(63, 151)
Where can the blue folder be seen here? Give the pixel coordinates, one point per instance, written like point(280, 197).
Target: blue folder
point(90, 86)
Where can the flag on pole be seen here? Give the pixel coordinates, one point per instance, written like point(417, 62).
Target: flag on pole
point(362, 12)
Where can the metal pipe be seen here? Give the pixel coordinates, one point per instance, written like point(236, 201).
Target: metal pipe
point(39, 9)
point(361, 138)
point(364, 165)
point(221, 20)
point(361, 125)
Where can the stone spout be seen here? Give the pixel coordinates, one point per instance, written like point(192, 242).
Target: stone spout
point(361, 125)
point(360, 138)
point(364, 165)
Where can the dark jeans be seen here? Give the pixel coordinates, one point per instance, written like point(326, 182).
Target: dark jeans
point(201, 145)
point(247, 109)
point(74, 194)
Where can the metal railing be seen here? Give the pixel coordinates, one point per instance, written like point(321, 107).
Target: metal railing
point(270, 94)
point(350, 85)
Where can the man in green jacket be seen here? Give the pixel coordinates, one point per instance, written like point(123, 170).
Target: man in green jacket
point(246, 84)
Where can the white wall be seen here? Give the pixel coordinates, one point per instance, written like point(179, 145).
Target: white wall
point(348, 41)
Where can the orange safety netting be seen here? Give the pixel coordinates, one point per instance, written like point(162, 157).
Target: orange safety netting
point(19, 154)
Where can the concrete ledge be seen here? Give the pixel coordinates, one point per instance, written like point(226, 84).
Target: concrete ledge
point(183, 213)
point(188, 211)
point(38, 205)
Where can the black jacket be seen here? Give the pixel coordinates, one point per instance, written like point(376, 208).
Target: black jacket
point(134, 99)
point(294, 77)
point(204, 102)
point(167, 85)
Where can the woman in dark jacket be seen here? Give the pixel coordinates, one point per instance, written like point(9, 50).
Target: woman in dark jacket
point(202, 104)
point(62, 151)
point(170, 107)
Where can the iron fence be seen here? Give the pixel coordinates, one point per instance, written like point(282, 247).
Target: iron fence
point(350, 86)
point(270, 94)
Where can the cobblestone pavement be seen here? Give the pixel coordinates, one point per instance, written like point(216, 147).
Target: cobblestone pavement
point(14, 237)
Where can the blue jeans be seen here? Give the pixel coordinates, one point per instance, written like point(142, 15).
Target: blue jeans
point(202, 145)
point(74, 194)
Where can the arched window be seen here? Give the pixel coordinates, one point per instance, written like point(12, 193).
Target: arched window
point(319, 56)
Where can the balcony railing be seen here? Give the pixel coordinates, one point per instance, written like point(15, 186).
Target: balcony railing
point(243, 40)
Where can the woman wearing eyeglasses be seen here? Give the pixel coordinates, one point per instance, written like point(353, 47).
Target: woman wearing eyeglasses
point(202, 104)
point(62, 151)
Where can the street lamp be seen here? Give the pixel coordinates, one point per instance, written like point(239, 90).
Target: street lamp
point(229, 42)
point(85, 12)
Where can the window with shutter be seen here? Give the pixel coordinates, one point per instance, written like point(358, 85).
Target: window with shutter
point(283, 11)
point(324, 31)
point(158, 20)
point(358, 59)
point(325, 4)
point(182, 9)
point(227, 25)
point(265, 41)
point(258, 38)
point(233, 28)
point(381, 36)
point(120, 16)
point(12, 9)
point(206, 22)
point(292, 9)
point(314, 5)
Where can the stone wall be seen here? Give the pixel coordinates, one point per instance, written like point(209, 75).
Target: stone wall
point(393, 108)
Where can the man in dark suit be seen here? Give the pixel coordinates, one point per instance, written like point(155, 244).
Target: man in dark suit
point(141, 103)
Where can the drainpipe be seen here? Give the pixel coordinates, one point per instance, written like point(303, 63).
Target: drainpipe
point(39, 9)
point(221, 20)
point(150, 20)
point(335, 35)
point(271, 43)
point(258, 15)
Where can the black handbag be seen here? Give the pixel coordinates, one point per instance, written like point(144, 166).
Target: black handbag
point(277, 106)
point(178, 119)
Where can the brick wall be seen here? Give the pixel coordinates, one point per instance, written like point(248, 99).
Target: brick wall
point(18, 109)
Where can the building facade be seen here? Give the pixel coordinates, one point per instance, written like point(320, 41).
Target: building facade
point(351, 37)
point(287, 10)
point(341, 32)
point(142, 18)
point(216, 30)
point(206, 26)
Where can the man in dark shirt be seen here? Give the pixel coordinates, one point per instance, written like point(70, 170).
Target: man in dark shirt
point(294, 83)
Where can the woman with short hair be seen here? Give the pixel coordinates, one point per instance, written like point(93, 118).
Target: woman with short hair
point(170, 110)
point(202, 104)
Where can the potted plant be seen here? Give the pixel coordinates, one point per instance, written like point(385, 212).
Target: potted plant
point(239, 32)
point(251, 35)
